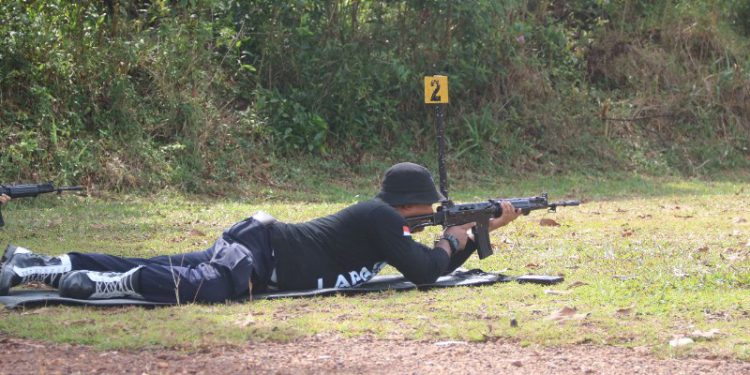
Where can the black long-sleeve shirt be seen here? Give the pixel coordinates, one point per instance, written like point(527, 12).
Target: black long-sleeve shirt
point(351, 246)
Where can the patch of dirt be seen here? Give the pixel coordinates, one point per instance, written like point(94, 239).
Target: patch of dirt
point(333, 355)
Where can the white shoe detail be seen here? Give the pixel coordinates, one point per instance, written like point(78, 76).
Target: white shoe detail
point(22, 250)
point(43, 274)
point(113, 285)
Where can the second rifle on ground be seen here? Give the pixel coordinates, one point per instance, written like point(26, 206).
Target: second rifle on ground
point(32, 190)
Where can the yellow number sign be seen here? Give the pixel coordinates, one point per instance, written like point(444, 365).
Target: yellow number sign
point(435, 89)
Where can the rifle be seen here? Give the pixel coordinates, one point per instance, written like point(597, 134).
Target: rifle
point(32, 190)
point(450, 214)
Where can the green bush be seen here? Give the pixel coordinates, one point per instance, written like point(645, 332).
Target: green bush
point(194, 93)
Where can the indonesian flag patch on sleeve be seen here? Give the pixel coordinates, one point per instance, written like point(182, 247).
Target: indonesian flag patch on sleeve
point(407, 232)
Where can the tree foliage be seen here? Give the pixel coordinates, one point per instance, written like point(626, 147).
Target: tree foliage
point(161, 92)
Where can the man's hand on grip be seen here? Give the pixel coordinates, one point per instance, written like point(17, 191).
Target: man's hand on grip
point(461, 232)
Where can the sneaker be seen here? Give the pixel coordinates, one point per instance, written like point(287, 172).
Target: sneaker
point(100, 285)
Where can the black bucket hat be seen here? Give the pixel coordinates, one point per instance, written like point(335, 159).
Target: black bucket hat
point(408, 183)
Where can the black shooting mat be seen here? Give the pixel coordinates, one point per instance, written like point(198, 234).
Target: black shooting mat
point(35, 297)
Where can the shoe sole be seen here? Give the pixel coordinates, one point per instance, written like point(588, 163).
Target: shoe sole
point(9, 252)
point(6, 272)
point(6, 278)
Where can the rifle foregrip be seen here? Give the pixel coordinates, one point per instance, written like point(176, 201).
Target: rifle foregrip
point(27, 190)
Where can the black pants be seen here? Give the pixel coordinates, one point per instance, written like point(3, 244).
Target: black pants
point(225, 271)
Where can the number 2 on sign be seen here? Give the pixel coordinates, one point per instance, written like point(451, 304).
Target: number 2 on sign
point(435, 89)
point(435, 93)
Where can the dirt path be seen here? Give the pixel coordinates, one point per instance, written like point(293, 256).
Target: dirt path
point(327, 355)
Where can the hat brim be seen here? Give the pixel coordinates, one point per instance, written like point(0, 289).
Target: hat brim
point(394, 199)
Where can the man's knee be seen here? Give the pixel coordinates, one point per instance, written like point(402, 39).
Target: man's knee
point(207, 283)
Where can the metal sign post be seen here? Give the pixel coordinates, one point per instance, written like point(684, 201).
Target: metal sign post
point(440, 131)
point(436, 93)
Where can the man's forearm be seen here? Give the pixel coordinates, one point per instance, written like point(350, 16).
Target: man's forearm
point(445, 245)
point(458, 259)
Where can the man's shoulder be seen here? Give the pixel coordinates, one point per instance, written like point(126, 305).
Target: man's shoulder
point(374, 204)
point(375, 207)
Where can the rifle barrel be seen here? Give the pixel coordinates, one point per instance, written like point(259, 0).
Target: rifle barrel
point(566, 203)
point(69, 188)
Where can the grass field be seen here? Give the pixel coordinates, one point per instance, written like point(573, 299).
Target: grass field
point(645, 260)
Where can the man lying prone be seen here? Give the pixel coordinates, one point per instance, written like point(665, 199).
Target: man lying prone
point(261, 254)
